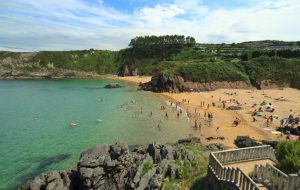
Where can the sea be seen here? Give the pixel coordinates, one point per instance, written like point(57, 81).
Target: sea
point(35, 135)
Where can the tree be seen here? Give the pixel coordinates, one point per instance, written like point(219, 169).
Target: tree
point(288, 156)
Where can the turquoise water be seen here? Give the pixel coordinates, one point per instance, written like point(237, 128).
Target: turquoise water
point(34, 117)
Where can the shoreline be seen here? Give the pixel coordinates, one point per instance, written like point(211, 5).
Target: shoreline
point(221, 126)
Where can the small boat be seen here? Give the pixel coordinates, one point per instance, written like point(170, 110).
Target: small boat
point(99, 120)
point(72, 124)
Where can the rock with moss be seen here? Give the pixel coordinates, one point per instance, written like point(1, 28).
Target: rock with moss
point(115, 167)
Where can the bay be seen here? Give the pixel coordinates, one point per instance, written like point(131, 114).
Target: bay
point(34, 117)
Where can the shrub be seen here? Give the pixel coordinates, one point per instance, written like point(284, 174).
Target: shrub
point(288, 156)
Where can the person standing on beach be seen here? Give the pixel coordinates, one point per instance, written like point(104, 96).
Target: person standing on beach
point(224, 105)
point(200, 125)
point(196, 125)
point(208, 116)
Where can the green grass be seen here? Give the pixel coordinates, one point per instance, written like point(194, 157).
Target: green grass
point(169, 184)
point(147, 167)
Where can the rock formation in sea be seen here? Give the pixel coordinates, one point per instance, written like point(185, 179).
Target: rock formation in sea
point(115, 167)
point(110, 86)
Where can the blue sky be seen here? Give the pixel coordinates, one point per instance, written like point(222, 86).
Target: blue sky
point(34, 25)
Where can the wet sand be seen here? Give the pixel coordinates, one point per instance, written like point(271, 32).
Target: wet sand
point(221, 125)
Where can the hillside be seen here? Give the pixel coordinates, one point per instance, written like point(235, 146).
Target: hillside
point(262, 64)
point(63, 64)
point(168, 57)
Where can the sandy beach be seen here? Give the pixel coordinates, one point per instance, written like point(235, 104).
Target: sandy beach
point(221, 129)
point(131, 79)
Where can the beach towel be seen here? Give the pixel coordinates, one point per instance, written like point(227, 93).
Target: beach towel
point(293, 137)
point(276, 133)
point(267, 129)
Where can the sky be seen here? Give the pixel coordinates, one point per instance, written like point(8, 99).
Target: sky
point(35, 25)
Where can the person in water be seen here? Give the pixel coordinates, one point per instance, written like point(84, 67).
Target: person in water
point(167, 115)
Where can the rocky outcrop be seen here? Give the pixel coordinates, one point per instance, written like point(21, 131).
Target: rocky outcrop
point(115, 167)
point(128, 70)
point(162, 83)
point(268, 84)
point(24, 66)
point(63, 180)
point(216, 147)
point(6, 73)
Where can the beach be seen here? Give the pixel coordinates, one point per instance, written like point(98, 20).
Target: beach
point(221, 129)
point(130, 79)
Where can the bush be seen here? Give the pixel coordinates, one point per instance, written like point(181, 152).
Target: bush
point(288, 156)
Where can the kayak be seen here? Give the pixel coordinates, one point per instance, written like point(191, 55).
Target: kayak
point(72, 124)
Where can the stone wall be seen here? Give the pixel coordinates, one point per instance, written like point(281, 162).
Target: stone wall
point(273, 178)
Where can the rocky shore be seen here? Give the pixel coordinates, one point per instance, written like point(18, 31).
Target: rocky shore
point(9, 74)
point(116, 167)
point(23, 66)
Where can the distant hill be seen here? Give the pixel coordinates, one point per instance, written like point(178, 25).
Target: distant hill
point(169, 55)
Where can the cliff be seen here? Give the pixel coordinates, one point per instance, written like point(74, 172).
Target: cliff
point(176, 83)
point(57, 65)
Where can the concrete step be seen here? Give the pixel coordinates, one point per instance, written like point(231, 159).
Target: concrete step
point(261, 186)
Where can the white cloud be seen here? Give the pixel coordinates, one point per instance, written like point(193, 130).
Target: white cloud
point(73, 24)
point(158, 13)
